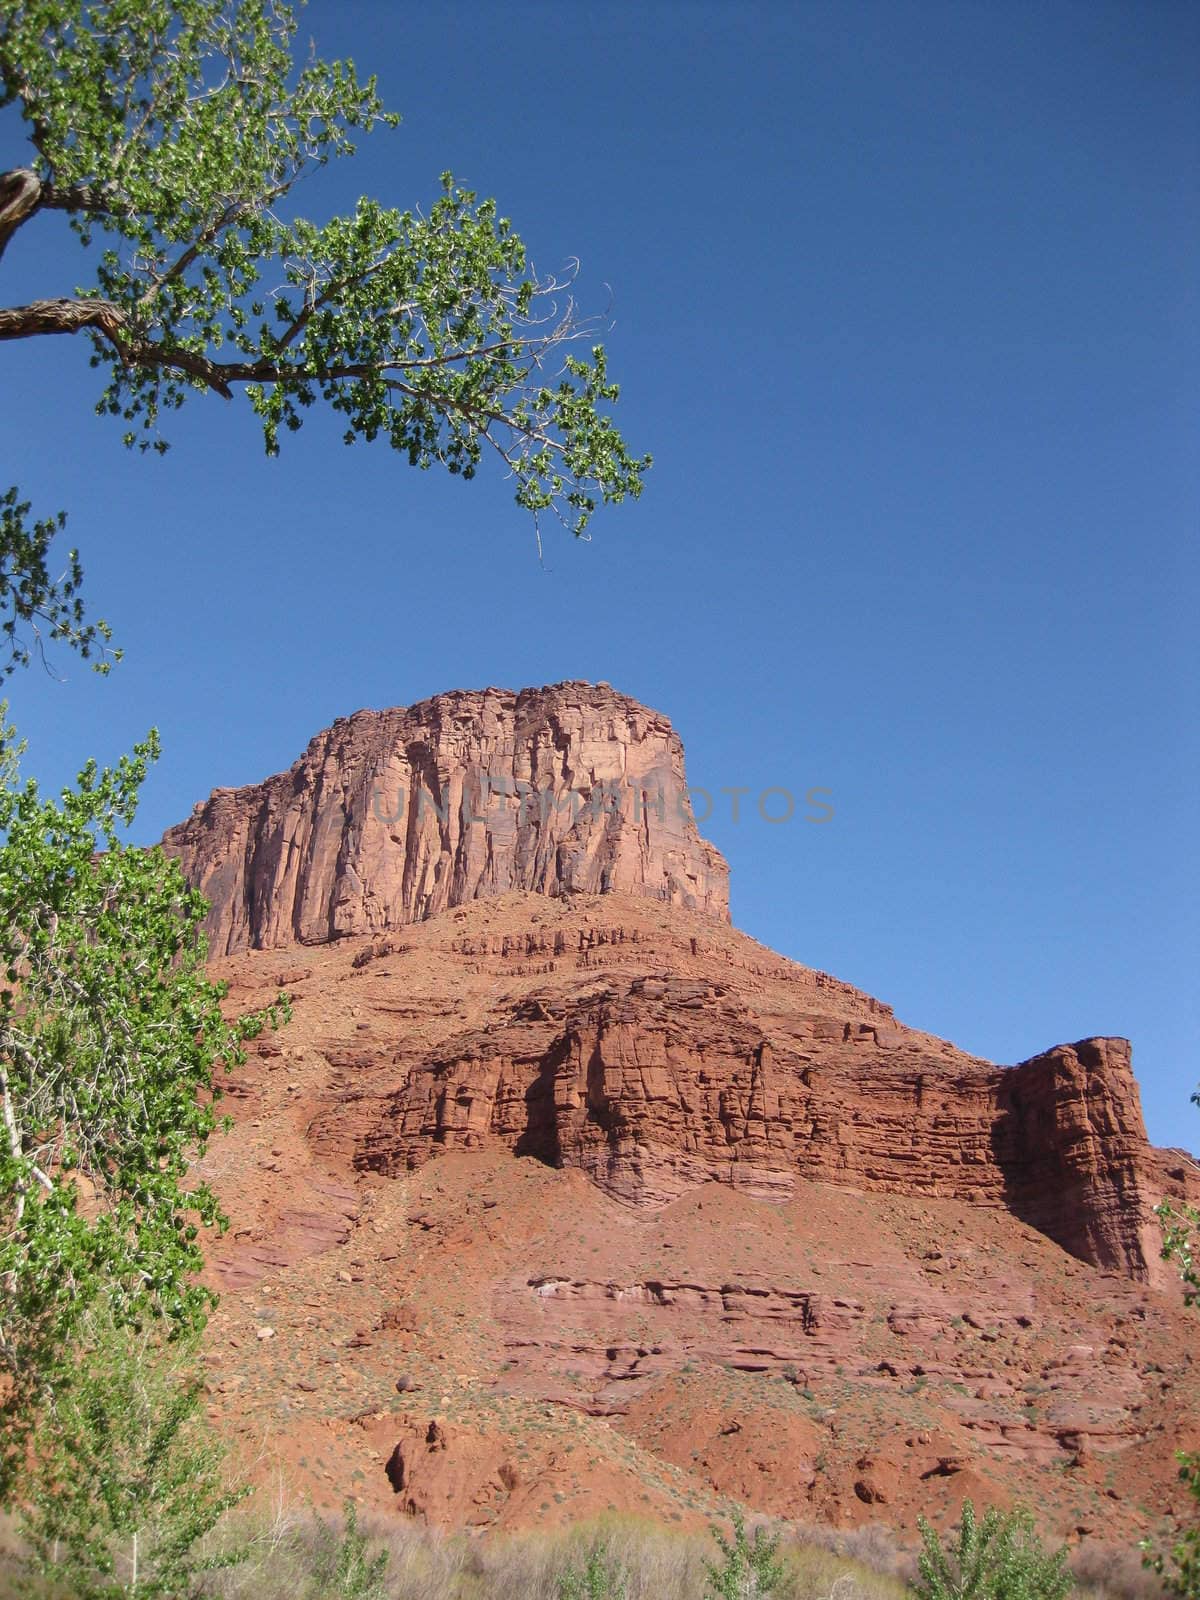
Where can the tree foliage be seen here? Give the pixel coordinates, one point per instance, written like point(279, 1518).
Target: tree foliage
point(127, 1481)
point(1181, 1231)
point(998, 1557)
point(174, 132)
point(599, 1576)
point(1179, 1567)
point(110, 1033)
point(342, 1567)
point(50, 608)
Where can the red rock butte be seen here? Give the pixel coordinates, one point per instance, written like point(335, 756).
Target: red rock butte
point(547, 1119)
point(392, 816)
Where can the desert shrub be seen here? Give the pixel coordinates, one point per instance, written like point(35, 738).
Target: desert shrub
point(126, 1482)
point(295, 1556)
point(653, 1560)
point(1113, 1572)
point(748, 1567)
point(291, 1555)
point(816, 1573)
point(342, 1568)
point(598, 1577)
point(872, 1546)
point(997, 1558)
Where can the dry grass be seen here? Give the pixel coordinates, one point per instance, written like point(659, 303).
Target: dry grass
point(1113, 1572)
point(659, 1563)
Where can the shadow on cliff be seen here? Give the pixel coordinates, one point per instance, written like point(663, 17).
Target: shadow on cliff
point(542, 1136)
point(1069, 1141)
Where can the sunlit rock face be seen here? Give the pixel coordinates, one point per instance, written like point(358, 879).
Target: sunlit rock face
point(392, 816)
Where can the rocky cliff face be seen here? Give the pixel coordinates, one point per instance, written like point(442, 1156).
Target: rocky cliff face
point(652, 1075)
point(547, 1205)
point(653, 1086)
point(766, 1241)
point(391, 816)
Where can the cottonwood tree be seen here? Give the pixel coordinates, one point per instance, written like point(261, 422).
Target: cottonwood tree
point(749, 1568)
point(171, 134)
point(126, 1480)
point(998, 1556)
point(110, 1036)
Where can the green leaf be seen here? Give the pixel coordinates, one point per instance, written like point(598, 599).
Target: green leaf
point(176, 130)
point(110, 1036)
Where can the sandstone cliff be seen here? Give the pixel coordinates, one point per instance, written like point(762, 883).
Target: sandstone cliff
point(544, 1206)
point(655, 1085)
point(391, 816)
point(659, 1078)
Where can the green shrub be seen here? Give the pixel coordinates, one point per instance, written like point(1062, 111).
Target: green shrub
point(126, 1481)
point(998, 1558)
point(749, 1568)
point(600, 1578)
point(1179, 1567)
point(342, 1570)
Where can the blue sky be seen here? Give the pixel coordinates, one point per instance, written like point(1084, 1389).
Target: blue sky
point(905, 306)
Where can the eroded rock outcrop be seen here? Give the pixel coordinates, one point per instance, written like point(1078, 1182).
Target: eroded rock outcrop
point(656, 1085)
point(765, 1241)
point(1070, 1140)
point(652, 1060)
point(391, 816)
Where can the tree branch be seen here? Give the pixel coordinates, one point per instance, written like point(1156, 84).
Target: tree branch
point(74, 316)
point(102, 316)
point(99, 199)
point(61, 316)
point(20, 196)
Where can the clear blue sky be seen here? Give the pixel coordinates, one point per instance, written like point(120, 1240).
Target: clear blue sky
point(905, 305)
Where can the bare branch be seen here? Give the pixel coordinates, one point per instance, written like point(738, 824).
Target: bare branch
point(98, 199)
point(60, 316)
point(20, 196)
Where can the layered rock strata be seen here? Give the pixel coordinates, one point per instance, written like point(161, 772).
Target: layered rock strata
point(657, 1086)
point(391, 816)
point(635, 1056)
